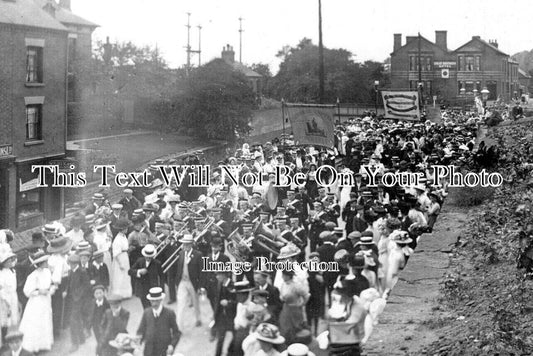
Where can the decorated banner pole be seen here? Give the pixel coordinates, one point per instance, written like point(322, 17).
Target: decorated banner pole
point(283, 115)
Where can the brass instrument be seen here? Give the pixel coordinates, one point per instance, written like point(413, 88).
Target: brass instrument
point(265, 238)
point(238, 247)
point(171, 260)
point(163, 244)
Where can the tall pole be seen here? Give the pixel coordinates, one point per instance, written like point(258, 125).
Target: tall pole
point(419, 72)
point(188, 42)
point(199, 45)
point(283, 115)
point(320, 56)
point(240, 39)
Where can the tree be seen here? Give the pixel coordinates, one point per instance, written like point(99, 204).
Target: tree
point(297, 79)
point(216, 102)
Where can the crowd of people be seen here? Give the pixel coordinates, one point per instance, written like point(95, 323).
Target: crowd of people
point(151, 244)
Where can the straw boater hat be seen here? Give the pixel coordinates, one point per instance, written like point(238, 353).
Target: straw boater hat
point(365, 240)
point(50, 229)
point(114, 298)
point(401, 238)
point(38, 258)
point(61, 244)
point(269, 333)
point(186, 239)
point(98, 196)
point(148, 251)
point(155, 293)
point(289, 250)
point(83, 246)
point(117, 206)
point(241, 287)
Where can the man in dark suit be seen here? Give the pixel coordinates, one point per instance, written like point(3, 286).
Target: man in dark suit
point(158, 329)
point(326, 253)
point(146, 273)
point(129, 202)
point(14, 341)
point(98, 271)
point(188, 279)
point(98, 309)
point(114, 322)
point(359, 223)
point(209, 279)
point(78, 288)
point(224, 311)
point(273, 300)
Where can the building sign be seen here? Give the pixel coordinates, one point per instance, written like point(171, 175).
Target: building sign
point(6, 150)
point(311, 124)
point(29, 185)
point(444, 64)
point(402, 105)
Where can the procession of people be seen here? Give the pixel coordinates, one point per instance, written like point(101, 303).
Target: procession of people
point(151, 244)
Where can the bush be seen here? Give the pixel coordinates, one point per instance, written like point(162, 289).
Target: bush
point(469, 196)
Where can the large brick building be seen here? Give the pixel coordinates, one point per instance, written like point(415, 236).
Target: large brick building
point(453, 75)
point(33, 106)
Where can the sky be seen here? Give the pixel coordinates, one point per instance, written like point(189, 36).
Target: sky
point(365, 28)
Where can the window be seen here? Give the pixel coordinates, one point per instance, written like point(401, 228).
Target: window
point(469, 63)
point(34, 64)
point(33, 122)
point(413, 63)
point(477, 63)
point(461, 63)
point(428, 63)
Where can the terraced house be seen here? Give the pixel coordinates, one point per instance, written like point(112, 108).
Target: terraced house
point(36, 45)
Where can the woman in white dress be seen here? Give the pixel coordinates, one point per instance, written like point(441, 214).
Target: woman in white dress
point(120, 282)
point(102, 241)
point(9, 303)
point(36, 322)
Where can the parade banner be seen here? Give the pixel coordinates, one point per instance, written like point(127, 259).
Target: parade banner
point(402, 105)
point(311, 124)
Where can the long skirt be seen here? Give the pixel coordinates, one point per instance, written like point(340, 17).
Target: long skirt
point(291, 320)
point(120, 279)
point(37, 325)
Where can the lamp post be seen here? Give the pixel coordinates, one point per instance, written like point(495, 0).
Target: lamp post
point(376, 92)
point(485, 95)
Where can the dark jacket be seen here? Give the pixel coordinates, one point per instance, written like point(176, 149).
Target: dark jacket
point(99, 275)
point(96, 316)
point(153, 278)
point(224, 315)
point(79, 287)
point(195, 267)
point(158, 333)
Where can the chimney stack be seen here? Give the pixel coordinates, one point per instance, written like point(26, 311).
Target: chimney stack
point(494, 43)
point(441, 40)
point(228, 54)
point(397, 41)
point(65, 4)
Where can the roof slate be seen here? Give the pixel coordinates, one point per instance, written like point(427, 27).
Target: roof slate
point(27, 13)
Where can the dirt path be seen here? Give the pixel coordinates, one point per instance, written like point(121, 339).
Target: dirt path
point(405, 327)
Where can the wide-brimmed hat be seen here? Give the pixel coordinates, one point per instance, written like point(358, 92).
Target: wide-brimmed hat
point(124, 342)
point(297, 350)
point(155, 293)
point(100, 224)
point(241, 287)
point(98, 196)
point(289, 250)
point(6, 254)
point(186, 239)
point(60, 244)
point(74, 258)
point(400, 237)
point(38, 258)
point(121, 224)
point(269, 333)
point(148, 251)
point(14, 335)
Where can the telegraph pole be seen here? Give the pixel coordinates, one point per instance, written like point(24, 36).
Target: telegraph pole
point(188, 48)
point(240, 39)
point(199, 45)
point(320, 56)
